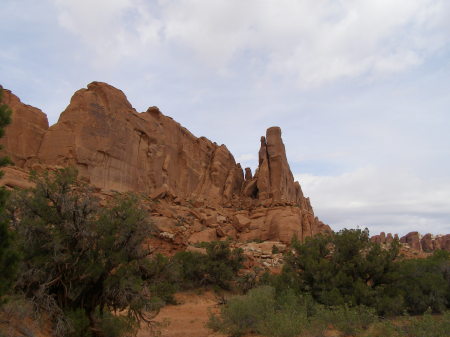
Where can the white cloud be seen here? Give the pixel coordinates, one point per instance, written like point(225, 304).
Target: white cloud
point(248, 160)
point(314, 42)
point(111, 29)
point(389, 200)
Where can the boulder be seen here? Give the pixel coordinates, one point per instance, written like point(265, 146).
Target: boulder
point(443, 242)
point(206, 235)
point(427, 243)
point(413, 240)
point(240, 221)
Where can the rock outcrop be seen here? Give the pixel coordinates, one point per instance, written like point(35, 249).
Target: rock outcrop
point(384, 238)
point(116, 148)
point(430, 243)
point(273, 181)
point(23, 137)
point(414, 240)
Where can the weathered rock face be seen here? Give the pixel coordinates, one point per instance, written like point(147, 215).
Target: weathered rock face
point(116, 148)
point(24, 135)
point(273, 181)
point(413, 240)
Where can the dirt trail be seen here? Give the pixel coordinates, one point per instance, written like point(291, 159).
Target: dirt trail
point(188, 318)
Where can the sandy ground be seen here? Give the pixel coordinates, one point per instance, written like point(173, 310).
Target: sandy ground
point(188, 318)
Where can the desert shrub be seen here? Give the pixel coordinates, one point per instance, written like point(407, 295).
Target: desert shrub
point(262, 311)
point(247, 281)
point(384, 328)
point(428, 326)
point(192, 269)
point(289, 318)
point(349, 320)
point(246, 313)
point(219, 266)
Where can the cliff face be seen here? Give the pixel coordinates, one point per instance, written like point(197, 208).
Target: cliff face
point(23, 137)
point(116, 148)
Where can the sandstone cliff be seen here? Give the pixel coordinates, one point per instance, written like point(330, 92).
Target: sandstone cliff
point(116, 148)
point(23, 137)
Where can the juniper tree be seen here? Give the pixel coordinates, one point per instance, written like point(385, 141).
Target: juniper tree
point(79, 255)
point(342, 268)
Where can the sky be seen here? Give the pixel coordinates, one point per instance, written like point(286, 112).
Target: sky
point(360, 88)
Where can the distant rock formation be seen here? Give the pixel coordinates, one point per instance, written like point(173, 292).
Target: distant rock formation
point(426, 243)
point(116, 148)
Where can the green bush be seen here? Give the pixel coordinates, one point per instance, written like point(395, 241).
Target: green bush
point(383, 329)
point(345, 267)
point(429, 326)
point(263, 311)
point(289, 318)
point(219, 266)
point(286, 314)
point(243, 314)
point(349, 320)
point(424, 283)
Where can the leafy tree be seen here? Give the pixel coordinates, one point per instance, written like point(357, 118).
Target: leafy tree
point(80, 256)
point(8, 256)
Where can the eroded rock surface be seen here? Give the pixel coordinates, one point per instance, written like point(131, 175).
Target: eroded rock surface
point(23, 137)
point(202, 193)
point(116, 148)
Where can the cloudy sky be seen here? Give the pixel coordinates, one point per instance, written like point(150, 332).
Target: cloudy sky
point(360, 88)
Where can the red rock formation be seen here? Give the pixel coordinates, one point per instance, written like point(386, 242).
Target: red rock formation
point(442, 242)
point(116, 148)
point(273, 179)
point(384, 238)
point(24, 135)
point(427, 243)
point(431, 242)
